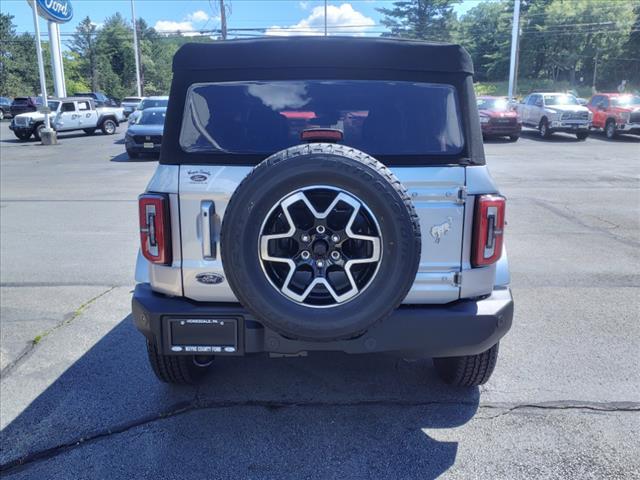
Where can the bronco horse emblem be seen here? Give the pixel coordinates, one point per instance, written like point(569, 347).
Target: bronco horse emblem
point(439, 231)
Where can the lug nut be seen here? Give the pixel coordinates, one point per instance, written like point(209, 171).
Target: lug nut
point(320, 229)
point(335, 255)
point(320, 263)
point(335, 238)
point(305, 238)
point(305, 255)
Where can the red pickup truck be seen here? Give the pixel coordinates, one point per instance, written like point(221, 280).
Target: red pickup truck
point(615, 113)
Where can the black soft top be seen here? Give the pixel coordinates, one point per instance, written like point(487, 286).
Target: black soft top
point(331, 52)
point(321, 58)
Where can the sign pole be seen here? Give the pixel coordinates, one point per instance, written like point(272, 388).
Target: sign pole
point(43, 82)
point(56, 60)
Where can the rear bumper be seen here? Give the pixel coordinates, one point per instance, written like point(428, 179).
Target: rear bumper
point(465, 327)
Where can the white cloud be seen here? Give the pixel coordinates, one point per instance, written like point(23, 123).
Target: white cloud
point(188, 24)
point(303, 5)
point(198, 16)
point(344, 19)
point(168, 26)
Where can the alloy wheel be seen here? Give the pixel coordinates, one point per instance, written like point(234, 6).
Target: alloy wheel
point(320, 246)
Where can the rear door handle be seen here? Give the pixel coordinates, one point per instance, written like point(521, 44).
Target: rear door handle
point(207, 222)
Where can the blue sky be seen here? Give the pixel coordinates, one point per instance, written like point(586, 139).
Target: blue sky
point(279, 17)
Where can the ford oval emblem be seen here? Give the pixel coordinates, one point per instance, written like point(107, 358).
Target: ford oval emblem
point(58, 11)
point(199, 178)
point(210, 278)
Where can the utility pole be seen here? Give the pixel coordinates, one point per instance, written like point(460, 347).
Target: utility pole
point(223, 20)
point(595, 73)
point(515, 40)
point(325, 18)
point(135, 48)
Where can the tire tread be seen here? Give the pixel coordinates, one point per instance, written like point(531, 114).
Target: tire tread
point(173, 369)
point(468, 370)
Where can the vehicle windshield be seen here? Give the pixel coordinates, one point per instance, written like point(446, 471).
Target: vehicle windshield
point(626, 101)
point(151, 103)
point(154, 117)
point(131, 100)
point(53, 105)
point(378, 117)
point(560, 100)
point(21, 101)
point(499, 104)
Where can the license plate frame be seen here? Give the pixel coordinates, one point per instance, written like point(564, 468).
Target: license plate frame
point(201, 336)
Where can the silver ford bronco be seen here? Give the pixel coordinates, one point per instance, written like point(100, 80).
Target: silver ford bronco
point(322, 194)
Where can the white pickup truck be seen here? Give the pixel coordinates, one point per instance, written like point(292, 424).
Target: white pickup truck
point(67, 114)
point(555, 112)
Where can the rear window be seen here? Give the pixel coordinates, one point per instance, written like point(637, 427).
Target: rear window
point(153, 103)
point(131, 99)
point(378, 117)
point(152, 117)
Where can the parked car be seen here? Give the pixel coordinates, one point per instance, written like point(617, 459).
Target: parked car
point(67, 114)
point(149, 102)
point(145, 136)
point(129, 104)
point(23, 105)
point(616, 113)
point(498, 119)
point(555, 112)
point(266, 231)
point(5, 107)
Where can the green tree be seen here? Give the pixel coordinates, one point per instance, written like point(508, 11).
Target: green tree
point(115, 60)
point(576, 30)
point(85, 47)
point(485, 31)
point(18, 67)
point(74, 77)
point(420, 19)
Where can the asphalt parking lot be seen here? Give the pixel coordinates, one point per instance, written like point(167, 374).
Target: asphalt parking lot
point(78, 400)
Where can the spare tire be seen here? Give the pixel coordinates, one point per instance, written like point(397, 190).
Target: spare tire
point(320, 242)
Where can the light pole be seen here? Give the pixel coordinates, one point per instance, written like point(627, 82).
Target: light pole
point(515, 38)
point(135, 48)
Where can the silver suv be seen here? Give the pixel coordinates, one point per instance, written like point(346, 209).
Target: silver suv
point(322, 194)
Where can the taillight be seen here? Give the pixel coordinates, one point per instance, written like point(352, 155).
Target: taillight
point(155, 227)
point(488, 230)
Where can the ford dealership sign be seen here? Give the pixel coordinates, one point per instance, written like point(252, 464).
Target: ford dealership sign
point(59, 11)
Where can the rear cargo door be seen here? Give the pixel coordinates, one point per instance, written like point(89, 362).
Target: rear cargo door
point(204, 194)
point(438, 194)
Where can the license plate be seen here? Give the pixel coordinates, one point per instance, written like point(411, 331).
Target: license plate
point(147, 145)
point(204, 335)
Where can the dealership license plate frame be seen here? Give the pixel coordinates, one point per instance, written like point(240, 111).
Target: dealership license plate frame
point(203, 335)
